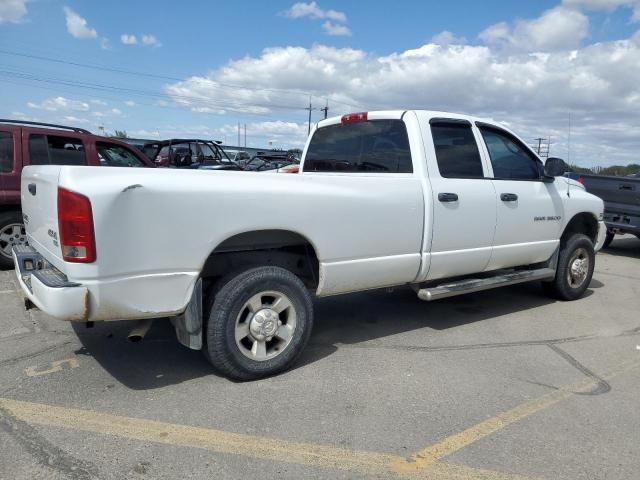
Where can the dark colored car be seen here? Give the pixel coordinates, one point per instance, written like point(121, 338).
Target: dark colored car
point(621, 197)
point(189, 153)
point(32, 143)
point(269, 161)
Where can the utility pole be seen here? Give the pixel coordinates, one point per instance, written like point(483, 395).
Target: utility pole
point(325, 109)
point(539, 140)
point(239, 134)
point(245, 135)
point(310, 107)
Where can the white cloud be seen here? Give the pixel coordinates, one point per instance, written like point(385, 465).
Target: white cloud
point(72, 119)
point(99, 102)
point(335, 29)
point(12, 11)
point(128, 39)
point(77, 26)
point(116, 111)
point(60, 104)
point(445, 38)
point(130, 103)
point(150, 41)
point(608, 5)
point(559, 28)
point(104, 43)
point(313, 10)
point(599, 84)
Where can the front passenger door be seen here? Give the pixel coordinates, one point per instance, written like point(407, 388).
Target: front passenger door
point(529, 210)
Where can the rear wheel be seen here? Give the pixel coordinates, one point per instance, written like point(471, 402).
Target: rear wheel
point(259, 323)
point(12, 233)
point(575, 269)
point(608, 239)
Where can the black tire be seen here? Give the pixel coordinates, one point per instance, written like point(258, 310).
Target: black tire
point(6, 219)
point(230, 305)
point(561, 287)
point(608, 239)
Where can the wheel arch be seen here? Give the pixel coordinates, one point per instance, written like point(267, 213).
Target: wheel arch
point(279, 247)
point(585, 223)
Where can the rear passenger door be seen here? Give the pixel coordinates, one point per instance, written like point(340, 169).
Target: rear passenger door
point(464, 201)
point(529, 210)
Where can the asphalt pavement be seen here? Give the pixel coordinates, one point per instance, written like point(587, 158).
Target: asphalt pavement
point(503, 384)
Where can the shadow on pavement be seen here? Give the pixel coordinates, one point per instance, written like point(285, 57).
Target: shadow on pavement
point(625, 246)
point(160, 361)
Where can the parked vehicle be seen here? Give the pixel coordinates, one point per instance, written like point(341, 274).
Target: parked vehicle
point(189, 153)
point(268, 162)
point(237, 155)
point(621, 197)
point(445, 203)
point(32, 143)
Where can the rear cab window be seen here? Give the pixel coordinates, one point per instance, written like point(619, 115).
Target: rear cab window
point(56, 150)
point(375, 146)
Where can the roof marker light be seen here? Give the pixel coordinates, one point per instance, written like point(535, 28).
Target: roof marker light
point(355, 117)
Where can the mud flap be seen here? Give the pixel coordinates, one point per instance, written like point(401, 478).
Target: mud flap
point(189, 325)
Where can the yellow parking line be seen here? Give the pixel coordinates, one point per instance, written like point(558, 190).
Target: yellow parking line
point(365, 462)
point(428, 456)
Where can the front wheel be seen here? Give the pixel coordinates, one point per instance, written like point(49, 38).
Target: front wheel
point(575, 269)
point(259, 323)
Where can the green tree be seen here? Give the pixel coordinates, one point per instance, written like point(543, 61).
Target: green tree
point(120, 134)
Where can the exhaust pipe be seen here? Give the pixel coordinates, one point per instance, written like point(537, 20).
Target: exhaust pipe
point(137, 334)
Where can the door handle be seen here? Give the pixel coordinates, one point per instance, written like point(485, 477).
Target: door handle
point(508, 197)
point(626, 187)
point(32, 188)
point(448, 197)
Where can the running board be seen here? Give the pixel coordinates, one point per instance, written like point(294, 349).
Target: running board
point(478, 284)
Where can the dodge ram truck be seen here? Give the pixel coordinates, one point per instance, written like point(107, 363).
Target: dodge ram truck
point(443, 203)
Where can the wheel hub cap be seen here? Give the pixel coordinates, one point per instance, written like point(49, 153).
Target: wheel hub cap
point(578, 268)
point(264, 324)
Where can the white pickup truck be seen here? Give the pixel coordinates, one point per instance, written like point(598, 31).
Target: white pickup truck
point(444, 203)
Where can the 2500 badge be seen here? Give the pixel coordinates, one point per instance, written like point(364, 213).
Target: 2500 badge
point(548, 219)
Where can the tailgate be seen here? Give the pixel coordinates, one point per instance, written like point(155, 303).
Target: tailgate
point(39, 193)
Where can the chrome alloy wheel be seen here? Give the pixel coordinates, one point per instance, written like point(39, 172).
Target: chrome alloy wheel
point(265, 325)
point(11, 235)
point(578, 268)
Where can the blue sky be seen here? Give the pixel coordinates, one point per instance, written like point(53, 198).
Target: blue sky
point(164, 68)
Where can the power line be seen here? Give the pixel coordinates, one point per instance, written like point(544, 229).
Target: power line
point(161, 77)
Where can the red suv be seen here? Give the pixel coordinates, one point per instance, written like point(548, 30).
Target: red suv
point(32, 143)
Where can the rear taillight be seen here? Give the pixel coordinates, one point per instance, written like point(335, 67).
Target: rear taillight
point(355, 117)
point(75, 226)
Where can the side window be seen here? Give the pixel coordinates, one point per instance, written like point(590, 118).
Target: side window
point(456, 150)
point(6, 152)
point(56, 150)
point(509, 158)
point(111, 155)
point(371, 146)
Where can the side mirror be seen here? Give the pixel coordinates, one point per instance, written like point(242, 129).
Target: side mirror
point(555, 167)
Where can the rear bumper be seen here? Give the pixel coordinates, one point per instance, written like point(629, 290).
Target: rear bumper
point(116, 298)
point(622, 222)
point(48, 288)
point(602, 233)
